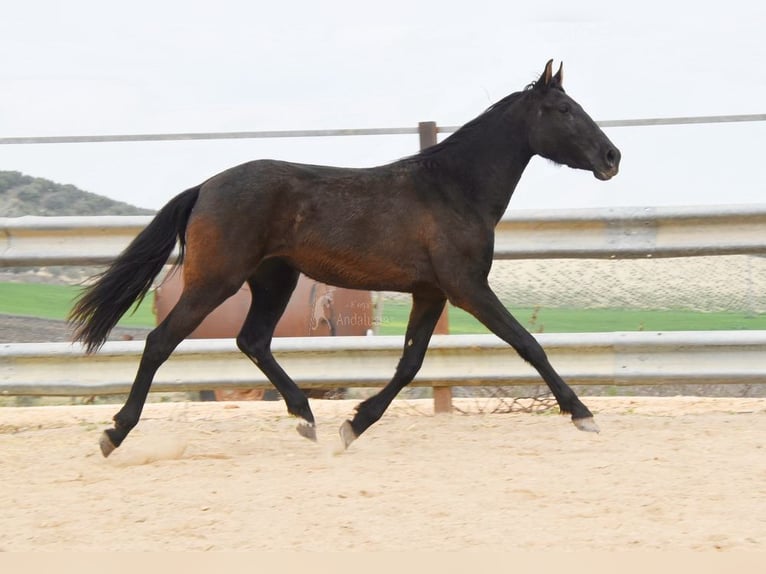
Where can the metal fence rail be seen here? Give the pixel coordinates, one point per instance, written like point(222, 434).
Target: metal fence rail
point(115, 138)
point(524, 234)
point(639, 358)
point(457, 360)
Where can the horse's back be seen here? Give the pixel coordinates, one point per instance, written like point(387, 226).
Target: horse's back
point(342, 226)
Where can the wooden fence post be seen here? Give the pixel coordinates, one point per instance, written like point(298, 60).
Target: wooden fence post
point(442, 394)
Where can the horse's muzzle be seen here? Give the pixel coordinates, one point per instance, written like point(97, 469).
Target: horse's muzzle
point(611, 164)
point(606, 174)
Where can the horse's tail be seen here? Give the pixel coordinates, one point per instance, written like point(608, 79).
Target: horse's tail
point(128, 279)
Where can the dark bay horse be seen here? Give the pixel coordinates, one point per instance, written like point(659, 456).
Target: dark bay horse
point(423, 224)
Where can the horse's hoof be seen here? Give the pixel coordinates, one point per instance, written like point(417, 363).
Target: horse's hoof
point(307, 430)
point(106, 444)
point(586, 424)
point(347, 434)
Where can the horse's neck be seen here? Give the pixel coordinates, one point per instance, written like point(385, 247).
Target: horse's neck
point(497, 194)
point(496, 166)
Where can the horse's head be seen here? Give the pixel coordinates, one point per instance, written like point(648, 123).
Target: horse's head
point(560, 130)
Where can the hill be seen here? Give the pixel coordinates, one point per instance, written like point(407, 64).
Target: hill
point(26, 195)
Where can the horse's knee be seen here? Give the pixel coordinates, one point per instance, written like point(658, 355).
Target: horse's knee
point(255, 347)
point(531, 351)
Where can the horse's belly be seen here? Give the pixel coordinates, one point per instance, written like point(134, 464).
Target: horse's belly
point(352, 272)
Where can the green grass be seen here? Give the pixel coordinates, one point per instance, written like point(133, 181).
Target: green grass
point(55, 301)
point(556, 320)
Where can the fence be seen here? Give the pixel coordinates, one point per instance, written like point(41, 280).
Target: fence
point(426, 130)
point(641, 358)
point(605, 358)
point(525, 234)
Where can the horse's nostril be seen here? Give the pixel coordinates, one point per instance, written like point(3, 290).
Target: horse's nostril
point(612, 157)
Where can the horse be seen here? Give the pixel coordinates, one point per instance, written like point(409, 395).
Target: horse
point(423, 224)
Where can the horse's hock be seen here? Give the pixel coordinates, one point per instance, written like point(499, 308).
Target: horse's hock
point(314, 310)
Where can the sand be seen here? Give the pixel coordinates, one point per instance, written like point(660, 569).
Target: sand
point(664, 473)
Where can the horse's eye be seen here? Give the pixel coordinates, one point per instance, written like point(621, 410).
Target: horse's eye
point(564, 108)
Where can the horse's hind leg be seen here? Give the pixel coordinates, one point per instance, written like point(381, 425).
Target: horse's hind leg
point(196, 302)
point(271, 286)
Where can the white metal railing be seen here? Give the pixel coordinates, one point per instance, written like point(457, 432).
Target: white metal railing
point(635, 358)
point(602, 233)
point(24, 140)
point(606, 358)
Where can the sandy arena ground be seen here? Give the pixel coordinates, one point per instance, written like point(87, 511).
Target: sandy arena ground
point(665, 473)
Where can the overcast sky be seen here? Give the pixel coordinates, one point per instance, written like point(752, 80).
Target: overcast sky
point(94, 67)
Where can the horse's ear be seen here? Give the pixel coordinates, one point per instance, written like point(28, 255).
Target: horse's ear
point(558, 79)
point(545, 79)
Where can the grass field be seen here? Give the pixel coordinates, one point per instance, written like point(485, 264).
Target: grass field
point(556, 320)
point(54, 302)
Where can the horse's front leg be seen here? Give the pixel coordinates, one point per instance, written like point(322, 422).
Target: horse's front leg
point(479, 300)
point(426, 309)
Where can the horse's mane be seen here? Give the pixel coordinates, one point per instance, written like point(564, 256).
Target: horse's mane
point(478, 124)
